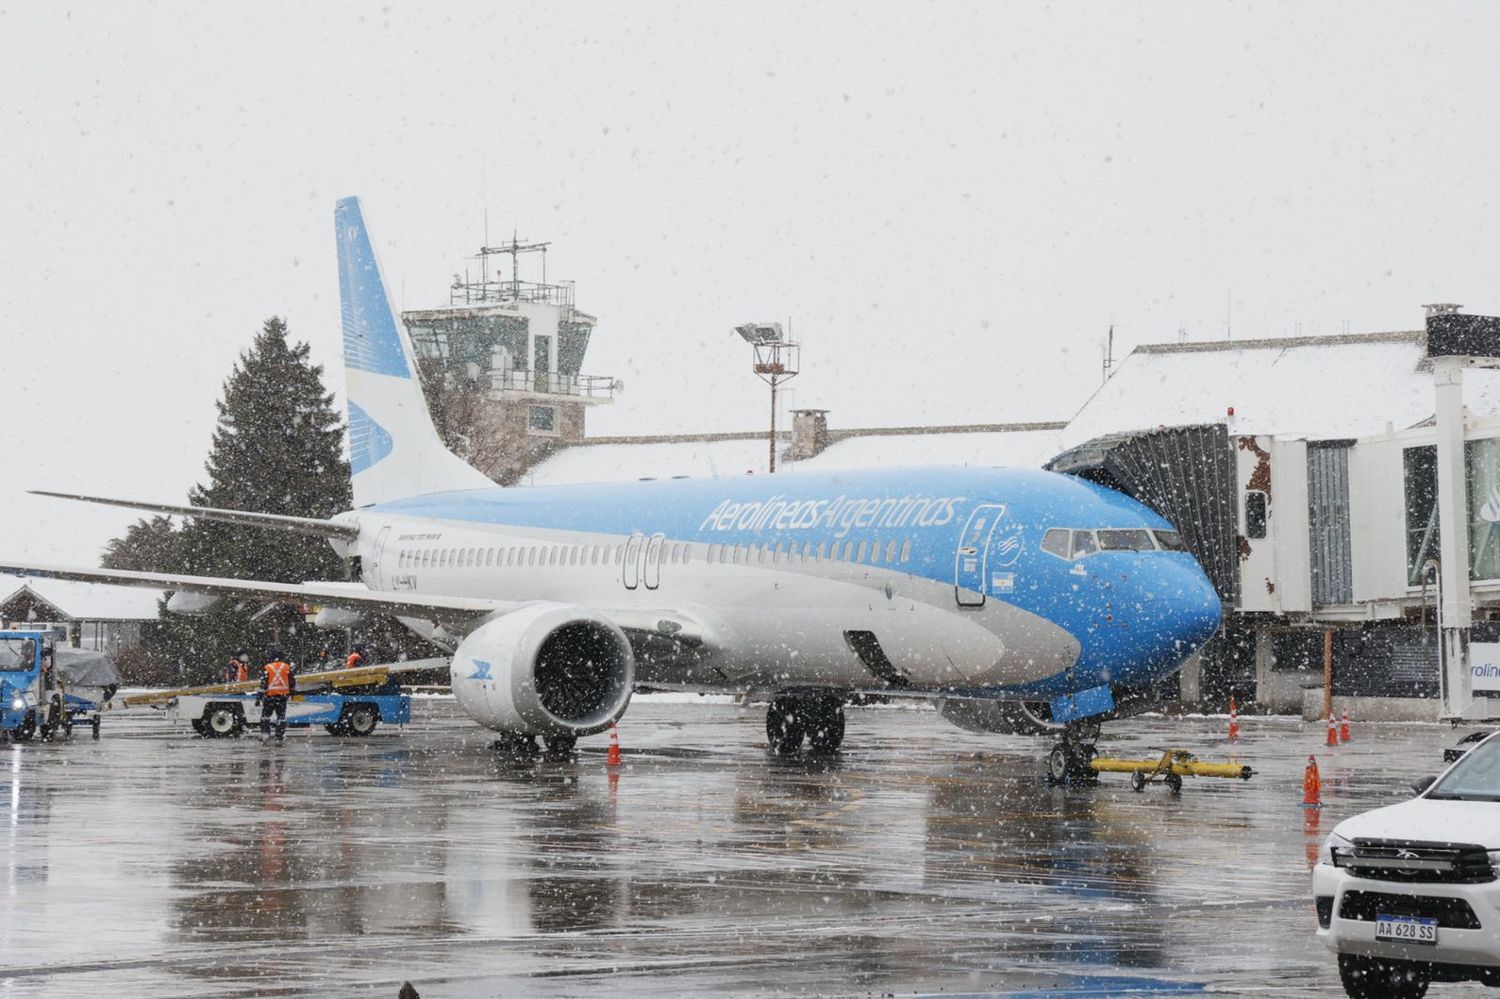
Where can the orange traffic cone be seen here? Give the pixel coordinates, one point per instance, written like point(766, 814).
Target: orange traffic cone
point(1344, 727)
point(613, 759)
point(1312, 785)
point(1333, 730)
point(1234, 721)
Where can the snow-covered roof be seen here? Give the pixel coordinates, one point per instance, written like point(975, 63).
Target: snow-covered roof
point(1319, 387)
point(1011, 448)
point(624, 462)
point(87, 601)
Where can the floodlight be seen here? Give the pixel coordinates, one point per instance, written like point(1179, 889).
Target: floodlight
point(760, 333)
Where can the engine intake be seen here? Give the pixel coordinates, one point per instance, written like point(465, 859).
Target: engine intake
point(546, 669)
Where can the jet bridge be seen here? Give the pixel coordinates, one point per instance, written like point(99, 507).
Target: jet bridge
point(1186, 474)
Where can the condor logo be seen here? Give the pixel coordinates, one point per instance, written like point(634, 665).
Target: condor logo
point(481, 671)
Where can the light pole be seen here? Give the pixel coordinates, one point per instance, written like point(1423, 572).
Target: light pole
point(776, 360)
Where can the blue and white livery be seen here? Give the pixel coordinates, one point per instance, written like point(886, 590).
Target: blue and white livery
point(1017, 598)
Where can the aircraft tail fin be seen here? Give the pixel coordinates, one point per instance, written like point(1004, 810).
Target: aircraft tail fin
point(394, 450)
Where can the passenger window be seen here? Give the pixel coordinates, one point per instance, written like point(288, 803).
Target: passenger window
point(875, 551)
point(859, 556)
point(890, 551)
point(822, 551)
point(687, 552)
point(906, 549)
point(848, 551)
point(1257, 514)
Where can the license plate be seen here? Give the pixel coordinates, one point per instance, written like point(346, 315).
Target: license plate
point(1406, 929)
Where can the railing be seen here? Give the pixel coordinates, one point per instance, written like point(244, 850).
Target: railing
point(599, 387)
point(483, 292)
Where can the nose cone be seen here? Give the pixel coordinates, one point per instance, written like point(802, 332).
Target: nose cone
point(1170, 611)
point(1193, 612)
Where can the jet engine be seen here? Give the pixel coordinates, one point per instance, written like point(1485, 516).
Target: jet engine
point(547, 669)
point(1003, 717)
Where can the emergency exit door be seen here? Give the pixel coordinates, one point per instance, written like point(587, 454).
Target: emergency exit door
point(632, 566)
point(969, 562)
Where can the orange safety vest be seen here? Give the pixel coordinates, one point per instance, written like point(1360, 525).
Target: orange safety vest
point(238, 670)
point(354, 660)
point(278, 679)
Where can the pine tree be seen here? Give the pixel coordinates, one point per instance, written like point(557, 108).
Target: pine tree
point(147, 546)
point(278, 448)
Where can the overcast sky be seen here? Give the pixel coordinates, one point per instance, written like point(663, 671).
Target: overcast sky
point(951, 202)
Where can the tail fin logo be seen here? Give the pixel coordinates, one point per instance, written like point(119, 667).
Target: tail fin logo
point(368, 441)
point(371, 340)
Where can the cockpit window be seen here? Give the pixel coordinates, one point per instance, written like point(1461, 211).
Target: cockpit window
point(1084, 544)
point(1170, 541)
point(1125, 541)
point(1055, 541)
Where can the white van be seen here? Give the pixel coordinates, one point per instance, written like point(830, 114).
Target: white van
point(1408, 894)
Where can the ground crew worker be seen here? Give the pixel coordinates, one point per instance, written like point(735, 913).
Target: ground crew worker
point(276, 686)
point(356, 658)
point(238, 670)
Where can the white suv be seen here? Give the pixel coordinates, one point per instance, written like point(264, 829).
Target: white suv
point(1408, 894)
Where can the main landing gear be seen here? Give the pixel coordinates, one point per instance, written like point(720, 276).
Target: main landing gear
point(1068, 763)
point(818, 718)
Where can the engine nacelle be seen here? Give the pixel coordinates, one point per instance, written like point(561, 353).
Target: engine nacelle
point(1003, 717)
point(546, 669)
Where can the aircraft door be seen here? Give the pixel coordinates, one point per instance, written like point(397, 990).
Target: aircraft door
point(969, 576)
point(376, 572)
point(653, 561)
point(632, 566)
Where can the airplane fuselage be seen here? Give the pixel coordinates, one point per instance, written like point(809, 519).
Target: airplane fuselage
point(934, 578)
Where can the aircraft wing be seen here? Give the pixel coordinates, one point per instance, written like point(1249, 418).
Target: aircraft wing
point(676, 627)
point(432, 607)
point(244, 518)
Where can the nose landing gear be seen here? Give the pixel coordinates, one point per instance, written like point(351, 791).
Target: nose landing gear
point(1068, 762)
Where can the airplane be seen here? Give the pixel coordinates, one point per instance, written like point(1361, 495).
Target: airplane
point(1016, 599)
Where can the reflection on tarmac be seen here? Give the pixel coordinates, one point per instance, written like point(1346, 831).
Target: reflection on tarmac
point(922, 860)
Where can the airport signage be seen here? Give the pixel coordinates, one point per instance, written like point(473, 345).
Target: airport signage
point(1484, 666)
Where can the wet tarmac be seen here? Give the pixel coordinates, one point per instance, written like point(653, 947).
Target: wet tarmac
point(921, 860)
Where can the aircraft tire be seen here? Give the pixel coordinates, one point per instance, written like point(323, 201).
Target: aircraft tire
point(785, 726)
point(515, 744)
point(1059, 765)
point(561, 745)
point(825, 728)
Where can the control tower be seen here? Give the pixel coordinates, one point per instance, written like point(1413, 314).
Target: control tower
point(502, 365)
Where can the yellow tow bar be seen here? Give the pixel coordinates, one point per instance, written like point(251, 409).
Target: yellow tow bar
point(1174, 765)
